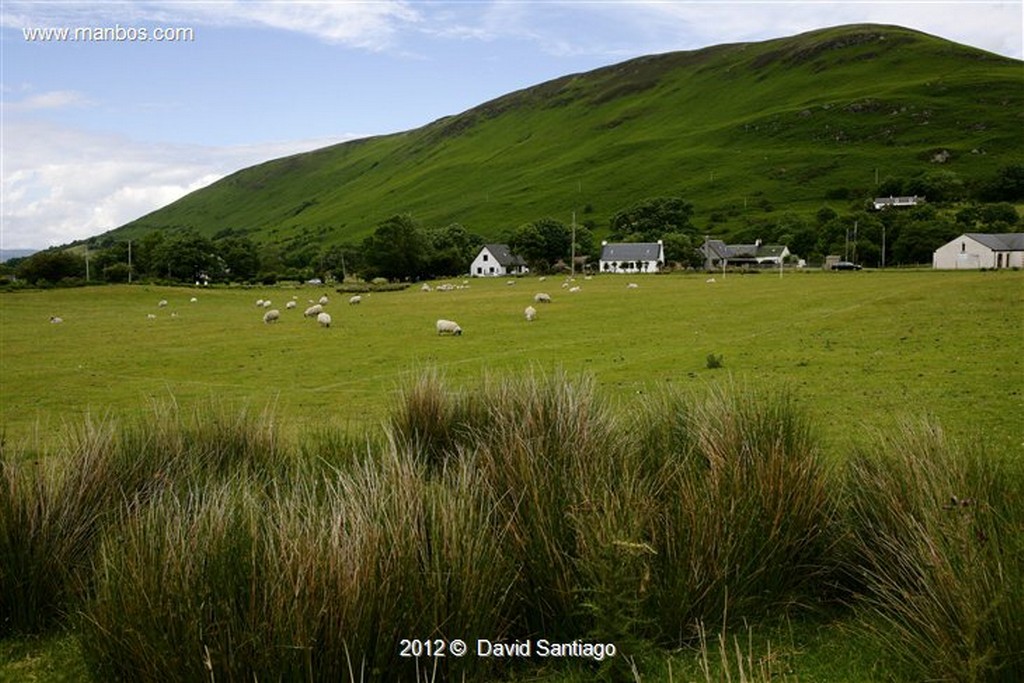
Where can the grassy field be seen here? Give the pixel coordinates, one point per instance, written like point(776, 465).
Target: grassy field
point(859, 349)
point(856, 351)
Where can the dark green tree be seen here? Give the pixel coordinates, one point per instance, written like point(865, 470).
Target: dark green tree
point(542, 243)
point(452, 249)
point(396, 250)
point(648, 220)
point(52, 265)
point(1006, 186)
point(240, 257)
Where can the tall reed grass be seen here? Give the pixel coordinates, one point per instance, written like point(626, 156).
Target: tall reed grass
point(939, 543)
point(201, 545)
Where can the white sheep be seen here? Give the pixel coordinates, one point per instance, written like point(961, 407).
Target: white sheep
point(193, 300)
point(323, 300)
point(290, 305)
point(151, 316)
point(355, 299)
point(162, 303)
point(266, 304)
point(710, 280)
point(448, 327)
point(271, 316)
point(574, 288)
point(530, 313)
point(541, 298)
point(56, 319)
point(425, 287)
point(324, 319)
point(632, 285)
point(314, 310)
point(259, 303)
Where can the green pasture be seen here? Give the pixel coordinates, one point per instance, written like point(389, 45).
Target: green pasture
point(861, 350)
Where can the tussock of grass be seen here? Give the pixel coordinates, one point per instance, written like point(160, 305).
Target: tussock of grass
point(199, 545)
point(937, 531)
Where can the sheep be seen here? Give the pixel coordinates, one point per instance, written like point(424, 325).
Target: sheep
point(151, 316)
point(324, 319)
point(314, 310)
point(355, 299)
point(56, 319)
point(530, 313)
point(541, 298)
point(290, 305)
point(323, 300)
point(266, 304)
point(574, 288)
point(425, 287)
point(448, 327)
point(162, 303)
point(271, 316)
point(193, 300)
point(259, 303)
point(632, 285)
point(710, 280)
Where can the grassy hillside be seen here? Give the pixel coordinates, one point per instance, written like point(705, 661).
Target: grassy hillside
point(740, 130)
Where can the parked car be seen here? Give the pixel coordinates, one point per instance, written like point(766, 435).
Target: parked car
point(845, 265)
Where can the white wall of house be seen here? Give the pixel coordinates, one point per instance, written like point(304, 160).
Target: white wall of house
point(966, 253)
point(485, 265)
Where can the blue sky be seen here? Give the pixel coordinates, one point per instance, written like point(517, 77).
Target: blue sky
point(97, 133)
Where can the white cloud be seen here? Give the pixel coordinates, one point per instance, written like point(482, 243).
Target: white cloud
point(61, 184)
point(55, 99)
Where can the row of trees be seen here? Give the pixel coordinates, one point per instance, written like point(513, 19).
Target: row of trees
point(402, 249)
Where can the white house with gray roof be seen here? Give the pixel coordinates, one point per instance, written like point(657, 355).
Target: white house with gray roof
point(975, 250)
point(631, 257)
point(496, 260)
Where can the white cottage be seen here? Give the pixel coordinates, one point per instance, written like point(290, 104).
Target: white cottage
point(631, 257)
point(496, 260)
point(975, 250)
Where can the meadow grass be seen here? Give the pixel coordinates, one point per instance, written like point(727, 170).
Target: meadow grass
point(857, 348)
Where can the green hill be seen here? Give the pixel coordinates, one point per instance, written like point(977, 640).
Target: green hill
point(739, 130)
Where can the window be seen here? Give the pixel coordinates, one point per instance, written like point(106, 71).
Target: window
point(485, 256)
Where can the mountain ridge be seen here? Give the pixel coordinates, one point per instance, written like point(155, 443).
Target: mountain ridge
point(740, 129)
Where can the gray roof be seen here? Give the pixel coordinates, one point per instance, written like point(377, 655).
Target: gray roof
point(1007, 241)
point(504, 256)
point(631, 251)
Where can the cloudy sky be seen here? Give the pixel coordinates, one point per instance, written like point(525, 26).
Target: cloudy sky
point(178, 94)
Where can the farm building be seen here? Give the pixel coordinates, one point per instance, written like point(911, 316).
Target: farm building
point(631, 257)
point(885, 202)
point(975, 250)
point(495, 260)
point(717, 253)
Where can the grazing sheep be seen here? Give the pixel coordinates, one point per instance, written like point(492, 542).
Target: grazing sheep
point(449, 327)
point(510, 282)
point(56, 320)
point(290, 305)
point(632, 285)
point(271, 316)
point(259, 303)
point(541, 298)
point(530, 313)
point(162, 303)
point(324, 319)
point(574, 288)
point(323, 300)
point(355, 299)
point(314, 310)
point(425, 287)
point(710, 279)
point(151, 316)
point(266, 304)
point(193, 300)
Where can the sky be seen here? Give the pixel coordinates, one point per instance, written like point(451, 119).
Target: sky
point(110, 110)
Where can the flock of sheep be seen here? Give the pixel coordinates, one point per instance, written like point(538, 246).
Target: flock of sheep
point(315, 310)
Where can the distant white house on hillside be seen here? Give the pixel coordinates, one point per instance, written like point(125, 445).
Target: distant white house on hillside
point(975, 250)
point(631, 257)
point(495, 260)
point(885, 202)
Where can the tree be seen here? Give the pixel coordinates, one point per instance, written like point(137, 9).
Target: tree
point(681, 249)
point(1006, 186)
point(648, 220)
point(397, 249)
point(452, 249)
point(542, 243)
point(51, 266)
point(240, 257)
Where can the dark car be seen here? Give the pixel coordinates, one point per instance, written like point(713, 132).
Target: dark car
point(845, 265)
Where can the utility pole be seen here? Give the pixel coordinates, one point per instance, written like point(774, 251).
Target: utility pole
point(572, 264)
point(883, 245)
point(129, 261)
